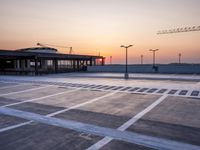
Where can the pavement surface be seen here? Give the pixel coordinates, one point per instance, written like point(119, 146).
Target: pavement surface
point(99, 111)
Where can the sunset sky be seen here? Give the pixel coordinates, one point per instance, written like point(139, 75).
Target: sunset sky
point(90, 26)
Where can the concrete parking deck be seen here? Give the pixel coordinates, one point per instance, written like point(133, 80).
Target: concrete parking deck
point(67, 111)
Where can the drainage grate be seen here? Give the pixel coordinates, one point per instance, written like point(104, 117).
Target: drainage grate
point(126, 88)
point(162, 91)
point(143, 89)
point(110, 87)
point(134, 89)
point(172, 92)
point(183, 92)
point(195, 93)
point(152, 90)
point(118, 87)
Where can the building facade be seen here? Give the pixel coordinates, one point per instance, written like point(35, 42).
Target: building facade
point(44, 60)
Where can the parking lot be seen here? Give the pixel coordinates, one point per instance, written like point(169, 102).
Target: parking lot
point(65, 112)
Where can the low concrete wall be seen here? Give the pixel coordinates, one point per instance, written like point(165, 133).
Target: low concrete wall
point(161, 68)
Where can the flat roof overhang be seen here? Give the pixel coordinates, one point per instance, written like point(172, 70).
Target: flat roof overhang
point(16, 54)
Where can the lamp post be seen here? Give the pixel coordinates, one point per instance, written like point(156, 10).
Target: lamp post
point(110, 60)
point(179, 58)
point(126, 71)
point(154, 55)
point(142, 56)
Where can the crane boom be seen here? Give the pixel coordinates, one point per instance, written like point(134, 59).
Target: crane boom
point(46, 45)
point(178, 30)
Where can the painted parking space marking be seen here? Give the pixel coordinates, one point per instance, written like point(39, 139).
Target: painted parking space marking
point(28, 90)
point(181, 92)
point(127, 124)
point(134, 89)
point(126, 136)
point(81, 104)
point(142, 90)
point(100, 87)
point(63, 110)
point(36, 99)
point(11, 86)
point(114, 87)
point(15, 126)
point(126, 88)
point(152, 90)
point(118, 87)
point(110, 87)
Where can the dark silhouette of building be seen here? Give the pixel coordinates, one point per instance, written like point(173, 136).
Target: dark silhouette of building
point(44, 60)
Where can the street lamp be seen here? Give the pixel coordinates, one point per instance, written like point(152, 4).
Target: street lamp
point(126, 71)
point(179, 58)
point(110, 59)
point(154, 55)
point(142, 56)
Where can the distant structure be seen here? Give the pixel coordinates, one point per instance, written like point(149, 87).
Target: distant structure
point(154, 59)
point(154, 56)
point(39, 50)
point(44, 60)
point(47, 45)
point(142, 56)
point(179, 58)
point(179, 30)
point(110, 59)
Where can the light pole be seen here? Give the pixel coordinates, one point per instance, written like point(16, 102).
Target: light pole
point(179, 58)
point(142, 56)
point(126, 71)
point(110, 59)
point(154, 55)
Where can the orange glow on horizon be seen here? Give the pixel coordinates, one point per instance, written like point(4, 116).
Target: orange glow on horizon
point(93, 27)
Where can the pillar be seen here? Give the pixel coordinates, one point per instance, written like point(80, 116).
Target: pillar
point(36, 66)
point(55, 65)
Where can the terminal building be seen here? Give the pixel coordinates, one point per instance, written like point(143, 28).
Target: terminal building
point(44, 60)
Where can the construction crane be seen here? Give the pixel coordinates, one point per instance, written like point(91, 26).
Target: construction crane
point(46, 45)
point(179, 30)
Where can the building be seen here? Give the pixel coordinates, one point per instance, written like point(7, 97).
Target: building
point(44, 60)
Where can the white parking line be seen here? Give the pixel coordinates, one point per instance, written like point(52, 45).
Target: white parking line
point(32, 89)
point(10, 86)
point(7, 81)
point(61, 111)
point(131, 137)
point(127, 124)
point(81, 104)
point(36, 99)
point(14, 126)
point(177, 93)
point(189, 93)
point(112, 83)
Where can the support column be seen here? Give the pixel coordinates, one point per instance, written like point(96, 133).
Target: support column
point(74, 65)
point(103, 62)
point(28, 64)
point(36, 65)
point(22, 64)
point(56, 65)
point(91, 62)
point(94, 61)
point(18, 64)
point(44, 65)
point(78, 64)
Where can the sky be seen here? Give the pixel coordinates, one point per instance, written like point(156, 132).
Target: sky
point(102, 26)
